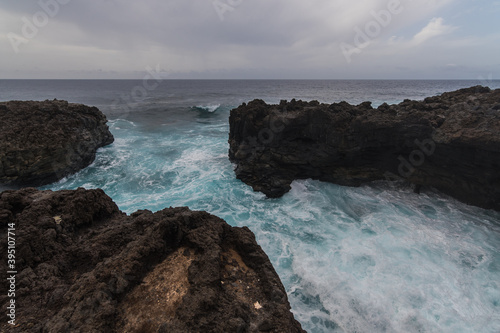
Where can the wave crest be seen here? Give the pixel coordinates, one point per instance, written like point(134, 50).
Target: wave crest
point(207, 108)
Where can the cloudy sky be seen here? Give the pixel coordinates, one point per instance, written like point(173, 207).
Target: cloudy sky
point(324, 39)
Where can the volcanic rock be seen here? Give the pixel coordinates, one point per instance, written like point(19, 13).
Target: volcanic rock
point(84, 266)
point(450, 142)
point(42, 142)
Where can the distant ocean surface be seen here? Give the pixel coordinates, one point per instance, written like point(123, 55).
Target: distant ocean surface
point(369, 259)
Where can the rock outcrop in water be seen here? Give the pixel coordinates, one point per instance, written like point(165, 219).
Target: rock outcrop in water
point(84, 266)
point(42, 142)
point(450, 142)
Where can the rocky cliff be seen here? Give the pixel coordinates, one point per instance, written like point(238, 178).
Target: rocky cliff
point(42, 142)
point(84, 266)
point(450, 142)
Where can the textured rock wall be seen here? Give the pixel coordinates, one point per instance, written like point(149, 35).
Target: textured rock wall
point(450, 142)
point(42, 142)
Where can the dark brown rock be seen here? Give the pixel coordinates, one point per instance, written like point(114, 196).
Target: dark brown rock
point(450, 142)
point(84, 266)
point(42, 142)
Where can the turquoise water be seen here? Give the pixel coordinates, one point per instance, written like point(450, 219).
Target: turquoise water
point(378, 258)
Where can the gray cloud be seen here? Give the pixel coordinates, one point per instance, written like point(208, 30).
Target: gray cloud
point(118, 38)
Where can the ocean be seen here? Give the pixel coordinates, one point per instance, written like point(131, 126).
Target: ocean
point(378, 258)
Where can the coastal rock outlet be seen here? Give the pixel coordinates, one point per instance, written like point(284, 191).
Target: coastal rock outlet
point(450, 142)
point(42, 142)
point(84, 266)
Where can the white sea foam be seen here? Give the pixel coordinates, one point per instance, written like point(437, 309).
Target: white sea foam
point(390, 268)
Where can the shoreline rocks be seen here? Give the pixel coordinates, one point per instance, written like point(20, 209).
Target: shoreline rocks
point(450, 142)
point(42, 142)
point(84, 266)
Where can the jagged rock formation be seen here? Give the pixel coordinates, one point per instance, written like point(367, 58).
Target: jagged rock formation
point(42, 142)
point(450, 142)
point(84, 266)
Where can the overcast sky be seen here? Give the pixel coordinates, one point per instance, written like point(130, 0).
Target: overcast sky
point(324, 39)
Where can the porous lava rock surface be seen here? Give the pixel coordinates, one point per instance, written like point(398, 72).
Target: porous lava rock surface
point(42, 142)
point(84, 266)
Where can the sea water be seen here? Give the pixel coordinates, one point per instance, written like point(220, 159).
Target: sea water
point(378, 258)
